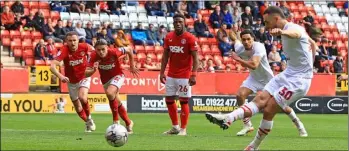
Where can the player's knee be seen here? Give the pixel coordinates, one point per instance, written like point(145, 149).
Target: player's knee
point(110, 94)
point(169, 99)
point(261, 100)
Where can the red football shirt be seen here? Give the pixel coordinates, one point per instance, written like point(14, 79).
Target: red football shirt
point(109, 66)
point(74, 62)
point(180, 47)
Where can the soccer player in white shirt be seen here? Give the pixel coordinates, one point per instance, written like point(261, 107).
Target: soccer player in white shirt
point(253, 55)
point(286, 87)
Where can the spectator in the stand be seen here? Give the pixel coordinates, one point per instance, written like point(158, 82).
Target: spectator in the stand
point(94, 40)
point(222, 32)
point(246, 25)
point(247, 15)
point(162, 32)
point(121, 40)
point(171, 7)
point(91, 7)
point(201, 29)
point(332, 50)
point(68, 27)
point(163, 7)
point(283, 5)
point(234, 39)
point(29, 22)
point(90, 32)
point(283, 66)
point(103, 7)
point(274, 56)
point(192, 8)
point(81, 31)
point(125, 64)
point(110, 30)
point(228, 19)
point(77, 7)
point(225, 46)
point(210, 66)
point(253, 6)
point(338, 65)
point(257, 25)
point(139, 36)
point(41, 51)
point(182, 9)
point(327, 69)
point(149, 64)
point(152, 34)
point(274, 68)
point(236, 31)
point(261, 35)
point(8, 19)
point(57, 6)
point(103, 35)
point(39, 19)
point(324, 52)
point(51, 49)
point(211, 4)
point(201, 4)
point(290, 18)
point(115, 7)
point(48, 31)
point(216, 18)
point(263, 7)
point(153, 8)
point(202, 65)
point(59, 30)
point(17, 8)
point(308, 21)
point(236, 15)
point(219, 65)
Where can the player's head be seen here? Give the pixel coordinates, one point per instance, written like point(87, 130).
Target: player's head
point(101, 48)
point(179, 23)
point(247, 38)
point(273, 16)
point(72, 40)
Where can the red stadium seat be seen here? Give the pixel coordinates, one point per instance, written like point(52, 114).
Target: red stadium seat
point(34, 4)
point(26, 45)
point(159, 57)
point(333, 28)
point(214, 46)
point(28, 53)
point(25, 4)
point(212, 41)
point(203, 41)
point(152, 56)
point(46, 12)
point(205, 46)
point(36, 35)
point(29, 61)
point(34, 10)
point(189, 21)
point(200, 57)
point(218, 57)
point(44, 5)
point(204, 13)
point(141, 57)
point(325, 27)
point(48, 62)
point(149, 49)
point(139, 49)
point(5, 34)
point(26, 11)
point(40, 63)
point(344, 37)
point(55, 15)
point(58, 45)
point(206, 50)
point(26, 35)
point(159, 49)
point(207, 57)
point(17, 53)
point(216, 51)
point(302, 9)
point(15, 34)
point(6, 42)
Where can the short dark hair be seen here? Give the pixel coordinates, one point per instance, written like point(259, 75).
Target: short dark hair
point(101, 42)
point(178, 15)
point(71, 33)
point(275, 10)
point(246, 31)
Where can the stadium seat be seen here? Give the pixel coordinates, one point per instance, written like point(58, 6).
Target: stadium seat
point(161, 20)
point(28, 53)
point(139, 48)
point(116, 25)
point(96, 24)
point(216, 51)
point(152, 56)
point(103, 17)
point(48, 62)
point(25, 4)
point(207, 57)
point(26, 45)
point(159, 49)
point(206, 51)
point(85, 17)
point(55, 15)
point(6, 42)
point(149, 49)
point(40, 63)
point(126, 25)
point(189, 21)
point(29, 61)
point(65, 16)
point(5, 34)
point(34, 10)
point(44, 5)
point(114, 18)
point(16, 45)
point(143, 19)
point(58, 45)
point(131, 9)
point(169, 20)
point(46, 13)
point(212, 41)
point(203, 40)
point(74, 16)
point(141, 57)
point(34, 5)
point(26, 11)
point(227, 60)
point(133, 18)
point(123, 18)
point(152, 19)
point(15, 34)
point(218, 57)
point(159, 57)
point(141, 9)
point(94, 17)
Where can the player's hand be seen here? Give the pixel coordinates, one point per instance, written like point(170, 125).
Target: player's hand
point(134, 71)
point(192, 80)
point(343, 77)
point(276, 32)
point(162, 78)
point(64, 79)
point(234, 56)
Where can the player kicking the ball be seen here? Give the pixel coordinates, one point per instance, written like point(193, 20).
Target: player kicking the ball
point(112, 76)
point(286, 87)
point(254, 56)
point(74, 56)
point(181, 53)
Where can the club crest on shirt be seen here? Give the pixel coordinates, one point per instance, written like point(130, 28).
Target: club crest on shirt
point(170, 40)
point(112, 58)
point(82, 54)
point(183, 41)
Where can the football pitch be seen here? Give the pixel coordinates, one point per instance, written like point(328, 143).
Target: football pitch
point(66, 132)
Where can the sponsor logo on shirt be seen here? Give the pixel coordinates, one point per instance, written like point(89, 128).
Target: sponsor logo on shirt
point(176, 49)
point(106, 67)
point(76, 62)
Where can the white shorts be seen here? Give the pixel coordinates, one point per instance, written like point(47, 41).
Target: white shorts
point(74, 88)
point(253, 84)
point(286, 90)
point(117, 81)
point(176, 86)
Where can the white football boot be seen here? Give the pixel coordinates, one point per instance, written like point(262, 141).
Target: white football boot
point(247, 129)
point(182, 132)
point(218, 119)
point(301, 129)
point(250, 148)
point(172, 131)
point(130, 128)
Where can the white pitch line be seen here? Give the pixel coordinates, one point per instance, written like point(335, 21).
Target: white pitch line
point(32, 130)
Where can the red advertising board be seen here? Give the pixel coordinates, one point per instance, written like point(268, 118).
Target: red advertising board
point(207, 84)
point(14, 80)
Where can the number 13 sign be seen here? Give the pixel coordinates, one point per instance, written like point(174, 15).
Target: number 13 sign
point(43, 75)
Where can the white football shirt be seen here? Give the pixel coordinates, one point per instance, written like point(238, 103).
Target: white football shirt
point(298, 53)
point(263, 72)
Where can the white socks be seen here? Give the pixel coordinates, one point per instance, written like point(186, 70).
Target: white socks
point(262, 132)
point(240, 112)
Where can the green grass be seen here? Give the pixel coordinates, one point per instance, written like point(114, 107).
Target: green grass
point(61, 132)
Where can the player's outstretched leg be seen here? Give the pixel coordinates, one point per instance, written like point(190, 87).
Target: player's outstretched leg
point(83, 92)
point(241, 97)
point(266, 124)
point(113, 102)
point(124, 116)
point(247, 110)
point(300, 126)
point(184, 115)
point(81, 113)
point(172, 111)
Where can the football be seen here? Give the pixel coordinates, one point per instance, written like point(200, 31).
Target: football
point(116, 135)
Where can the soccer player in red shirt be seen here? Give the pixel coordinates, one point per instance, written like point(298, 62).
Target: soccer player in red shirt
point(181, 54)
point(74, 56)
point(112, 76)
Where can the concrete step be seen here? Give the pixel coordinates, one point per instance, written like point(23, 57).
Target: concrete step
point(5, 53)
point(7, 59)
point(11, 64)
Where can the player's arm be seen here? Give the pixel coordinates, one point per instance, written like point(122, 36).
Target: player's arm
point(291, 33)
point(314, 47)
point(251, 64)
point(57, 62)
point(91, 67)
point(194, 54)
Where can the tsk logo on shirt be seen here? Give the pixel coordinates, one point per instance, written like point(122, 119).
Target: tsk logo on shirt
point(76, 62)
point(176, 49)
point(106, 67)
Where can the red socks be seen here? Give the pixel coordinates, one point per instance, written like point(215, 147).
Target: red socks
point(172, 110)
point(82, 115)
point(86, 108)
point(114, 109)
point(123, 114)
point(185, 112)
